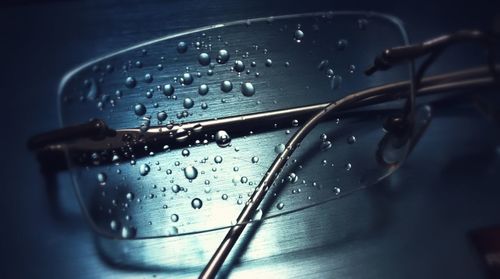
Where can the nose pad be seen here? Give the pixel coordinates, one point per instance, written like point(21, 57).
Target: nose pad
point(400, 138)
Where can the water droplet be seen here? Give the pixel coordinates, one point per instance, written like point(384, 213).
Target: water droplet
point(298, 35)
point(186, 79)
point(204, 59)
point(130, 82)
point(218, 159)
point(244, 179)
point(148, 78)
point(129, 196)
point(269, 62)
point(102, 178)
point(325, 145)
point(168, 89)
point(226, 86)
point(144, 169)
point(351, 139)
point(336, 190)
point(295, 123)
point(341, 44)
point(247, 89)
point(336, 82)
point(174, 217)
point(222, 138)
point(292, 177)
point(280, 206)
point(362, 23)
point(239, 66)
point(255, 159)
point(139, 109)
point(113, 225)
point(351, 69)
point(348, 166)
point(176, 188)
point(323, 64)
point(196, 203)
point(222, 56)
point(128, 232)
point(204, 105)
point(190, 172)
point(182, 47)
point(224, 197)
point(278, 149)
point(162, 116)
point(188, 103)
point(203, 89)
point(185, 152)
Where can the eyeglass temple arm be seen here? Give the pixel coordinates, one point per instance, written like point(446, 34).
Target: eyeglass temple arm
point(94, 129)
point(396, 55)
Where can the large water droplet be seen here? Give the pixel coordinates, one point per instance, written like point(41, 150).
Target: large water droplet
point(130, 82)
point(162, 116)
point(204, 59)
point(239, 66)
point(278, 149)
point(186, 79)
point(139, 109)
point(196, 203)
point(188, 103)
point(247, 89)
point(144, 169)
point(222, 56)
point(298, 35)
point(226, 86)
point(190, 172)
point(168, 89)
point(182, 47)
point(203, 89)
point(222, 138)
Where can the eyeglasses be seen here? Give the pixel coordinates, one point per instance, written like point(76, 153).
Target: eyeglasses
point(206, 123)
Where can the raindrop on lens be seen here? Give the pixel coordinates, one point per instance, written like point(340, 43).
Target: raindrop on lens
point(139, 109)
point(196, 203)
point(222, 138)
point(190, 172)
point(247, 89)
point(226, 86)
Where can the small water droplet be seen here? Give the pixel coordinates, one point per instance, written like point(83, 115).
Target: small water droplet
point(174, 217)
point(255, 159)
point(218, 159)
point(351, 139)
point(129, 196)
point(196, 203)
point(102, 178)
point(298, 35)
point(239, 66)
point(224, 197)
point(244, 179)
point(186, 79)
point(176, 188)
point(280, 206)
point(162, 116)
point(336, 82)
point(185, 152)
point(348, 166)
point(269, 62)
point(139, 109)
point(129, 232)
point(341, 44)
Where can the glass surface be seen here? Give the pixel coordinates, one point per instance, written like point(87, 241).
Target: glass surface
point(267, 64)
